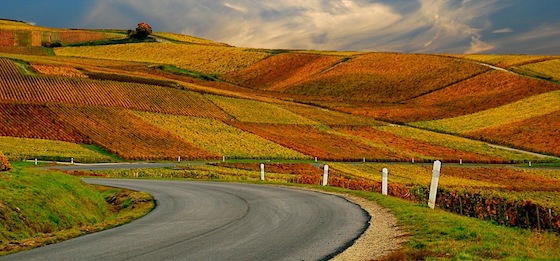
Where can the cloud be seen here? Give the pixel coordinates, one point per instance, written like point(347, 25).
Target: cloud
point(241, 9)
point(435, 26)
point(503, 31)
point(543, 39)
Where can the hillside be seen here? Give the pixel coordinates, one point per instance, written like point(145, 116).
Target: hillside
point(199, 99)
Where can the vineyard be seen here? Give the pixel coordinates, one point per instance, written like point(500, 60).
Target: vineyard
point(408, 148)
point(36, 122)
point(539, 134)
point(20, 149)
point(528, 108)
point(357, 112)
point(379, 77)
point(57, 70)
point(281, 71)
point(454, 142)
point(506, 61)
point(220, 138)
point(314, 142)
point(18, 88)
point(128, 136)
point(550, 68)
point(258, 112)
point(186, 39)
point(485, 91)
point(201, 58)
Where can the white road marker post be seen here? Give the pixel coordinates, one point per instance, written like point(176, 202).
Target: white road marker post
point(262, 171)
point(326, 175)
point(460, 161)
point(433, 187)
point(224, 159)
point(385, 182)
point(179, 159)
point(35, 161)
point(72, 161)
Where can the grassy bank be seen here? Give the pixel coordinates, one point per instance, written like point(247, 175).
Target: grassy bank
point(39, 207)
point(437, 234)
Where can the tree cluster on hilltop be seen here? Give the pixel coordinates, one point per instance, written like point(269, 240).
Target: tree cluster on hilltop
point(142, 32)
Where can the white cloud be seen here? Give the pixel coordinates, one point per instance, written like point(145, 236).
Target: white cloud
point(503, 31)
point(241, 9)
point(455, 26)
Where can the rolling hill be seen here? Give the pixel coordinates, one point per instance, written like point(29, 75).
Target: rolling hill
point(194, 98)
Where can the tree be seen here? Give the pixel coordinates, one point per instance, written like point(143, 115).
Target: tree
point(142, 32)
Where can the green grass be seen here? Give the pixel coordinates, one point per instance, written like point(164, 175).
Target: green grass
point(20, 149)
point(35, 202)
point(179, 71)
point(40, 207)
point(110, 42)
point(436, 234)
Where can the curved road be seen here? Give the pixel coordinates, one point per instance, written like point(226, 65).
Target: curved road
point(219, 221)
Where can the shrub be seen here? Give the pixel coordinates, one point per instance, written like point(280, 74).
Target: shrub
point(4, 163)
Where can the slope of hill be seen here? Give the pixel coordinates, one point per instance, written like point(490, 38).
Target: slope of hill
point(192, 98)
point(20, 34)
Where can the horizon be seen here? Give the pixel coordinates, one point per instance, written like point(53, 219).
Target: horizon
point(407, 26)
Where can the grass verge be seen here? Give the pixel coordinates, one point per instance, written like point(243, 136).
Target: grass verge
point(436, 234)
point(39, 207)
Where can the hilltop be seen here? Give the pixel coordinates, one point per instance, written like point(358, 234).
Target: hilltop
point(198, 99)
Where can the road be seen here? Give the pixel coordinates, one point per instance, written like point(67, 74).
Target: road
point(219, 221)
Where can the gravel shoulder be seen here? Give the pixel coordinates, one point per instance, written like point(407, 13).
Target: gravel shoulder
point(381, 238)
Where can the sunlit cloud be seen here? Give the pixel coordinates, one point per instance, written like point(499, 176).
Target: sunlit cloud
point(435, 26)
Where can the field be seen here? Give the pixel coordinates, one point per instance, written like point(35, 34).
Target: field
point(454, 142)
point(20, 149)
point(57, 70)
point(220, 138)
point(128, 136)
point(201, 58)
point(535, 134)
point(550, 68)
point(281, 71)
point(379, 77)
point(485, 91)
point(409, 148)
point(533, 106)
point(258, 112)
point(314, 142)
point(101, 93)
point(186, 39)
point(38, 122)
point(506, 61)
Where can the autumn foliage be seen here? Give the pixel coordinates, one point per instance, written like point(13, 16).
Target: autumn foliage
point(128, 136)
point(485, 91)
point(536, 134)
point(4, 163)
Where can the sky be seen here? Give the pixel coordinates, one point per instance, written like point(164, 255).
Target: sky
point(410, 26)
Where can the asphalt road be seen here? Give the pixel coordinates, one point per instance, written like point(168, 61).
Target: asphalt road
point(219, 221)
